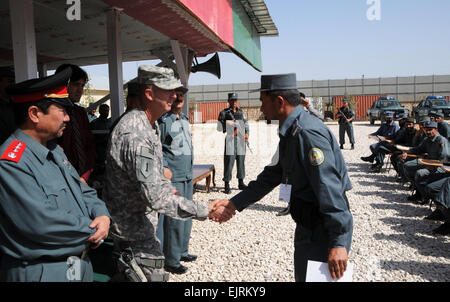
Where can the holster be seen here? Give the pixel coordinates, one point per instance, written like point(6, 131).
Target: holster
point(127, 265)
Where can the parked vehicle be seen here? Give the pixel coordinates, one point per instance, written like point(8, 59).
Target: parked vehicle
point(432, 103)
point(382, 105)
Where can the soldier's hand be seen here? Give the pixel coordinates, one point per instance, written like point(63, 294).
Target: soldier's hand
point(221, 210)
point(337, 262)
point(100, 223)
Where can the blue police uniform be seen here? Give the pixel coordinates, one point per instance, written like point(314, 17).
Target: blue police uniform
point(311, 161)
point(45, 213)
point(346, 127)
point(177, 148)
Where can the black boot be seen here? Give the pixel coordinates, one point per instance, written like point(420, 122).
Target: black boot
point(415, 197)
point(353, 146)
point(342, 146)
point(370, 158)
point(242, 186)
point(443, 229)
point(227, 187)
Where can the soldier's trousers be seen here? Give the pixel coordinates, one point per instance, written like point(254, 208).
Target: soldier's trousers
point(310, 245)
point(175, 234)
point(346, 128)
point(76, 270)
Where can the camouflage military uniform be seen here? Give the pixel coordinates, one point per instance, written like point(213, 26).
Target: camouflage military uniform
point(135, 191)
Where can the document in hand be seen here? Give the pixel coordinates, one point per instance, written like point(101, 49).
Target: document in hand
point(319, 272)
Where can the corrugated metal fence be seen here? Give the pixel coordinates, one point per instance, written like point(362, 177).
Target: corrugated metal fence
point(362, 102)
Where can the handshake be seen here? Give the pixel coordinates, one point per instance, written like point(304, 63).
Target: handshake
point(221, 210)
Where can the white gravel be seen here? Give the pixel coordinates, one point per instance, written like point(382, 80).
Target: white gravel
point(391, 241)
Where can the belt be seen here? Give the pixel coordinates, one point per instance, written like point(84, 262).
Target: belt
point(45, 259)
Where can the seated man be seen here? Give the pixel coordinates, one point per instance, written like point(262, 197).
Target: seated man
point(439, 191)
point(443, 126)
point(387, 129)
point(433, 147)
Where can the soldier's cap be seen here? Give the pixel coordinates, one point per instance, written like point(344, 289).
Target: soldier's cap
point(430, 125)
point(424, 119)
point(161, 77)
point(389, 114)
point(7, 72)
point(232, 96)
point(52, 88)
point(182, 89)
point(274, 82)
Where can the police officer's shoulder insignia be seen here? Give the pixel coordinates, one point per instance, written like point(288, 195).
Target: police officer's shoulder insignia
point(316, 156)
point(14, 151)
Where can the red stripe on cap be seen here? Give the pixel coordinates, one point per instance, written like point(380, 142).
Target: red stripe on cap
point(14, 151)
point(60, 91)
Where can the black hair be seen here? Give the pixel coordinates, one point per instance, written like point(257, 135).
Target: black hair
point(291, 96)
point(77, 72)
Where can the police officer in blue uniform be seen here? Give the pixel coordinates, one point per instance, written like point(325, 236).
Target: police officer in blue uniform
point(233, 122)
point(387, 129)
point(178, 157)
point(310, 169)
point(346, 115)
point(49, 219)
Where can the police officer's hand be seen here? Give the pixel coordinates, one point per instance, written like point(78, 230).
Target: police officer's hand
point(100, 223)
point(221, 210)
point(337, 262)
point(404, 156)
point(246, 137)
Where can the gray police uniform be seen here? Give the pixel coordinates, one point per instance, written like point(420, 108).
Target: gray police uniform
point(174, 234)
point(234, 146)
point(310, 160)
point(135, 191)
point(437, 149)
point(45, 213)
point(444, 129)
point(346, 127)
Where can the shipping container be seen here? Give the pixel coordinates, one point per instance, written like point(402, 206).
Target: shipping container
point(363, 103)
point(206, 111)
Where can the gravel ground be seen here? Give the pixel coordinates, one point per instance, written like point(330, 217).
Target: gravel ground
point(391, 241)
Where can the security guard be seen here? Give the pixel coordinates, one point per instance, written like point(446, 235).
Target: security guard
point(346, 116)
point(233, 121)
point(311, 170)
point(135, 190)
point(437, 148)
point(49, 219)
point(174, 234)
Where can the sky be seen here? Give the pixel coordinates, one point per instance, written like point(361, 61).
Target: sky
point(334, 39)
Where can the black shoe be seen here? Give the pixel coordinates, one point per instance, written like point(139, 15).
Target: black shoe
point(176, 270)
point(376, 168)
point(353, 147)
point(242, 186)
point(442, 230)
point(227, 188)
point(435, 216)
point(342, 146)
point(285, 211)
point(369, 159)
point(415, 197)
point(189, 258)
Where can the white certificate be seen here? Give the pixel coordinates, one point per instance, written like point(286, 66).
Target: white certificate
point(319, 272)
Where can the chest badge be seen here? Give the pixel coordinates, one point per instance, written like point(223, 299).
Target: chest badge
point(316, 157)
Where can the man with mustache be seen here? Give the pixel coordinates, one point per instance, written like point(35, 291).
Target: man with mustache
point(49, 219)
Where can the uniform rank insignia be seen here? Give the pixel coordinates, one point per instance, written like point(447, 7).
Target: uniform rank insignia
point(14, 151)
point(316, 157)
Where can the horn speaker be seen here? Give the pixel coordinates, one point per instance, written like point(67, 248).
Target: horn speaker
point(212, 66)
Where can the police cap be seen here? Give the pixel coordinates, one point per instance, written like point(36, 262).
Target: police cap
point(274, 82)
point(52, 88)
point(232, 96)
point(430, 125)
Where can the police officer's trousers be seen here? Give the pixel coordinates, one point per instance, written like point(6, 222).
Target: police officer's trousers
point(174, 234)
point(346, 128)
point(310, 245)
point(229, 157)
point(46, 270)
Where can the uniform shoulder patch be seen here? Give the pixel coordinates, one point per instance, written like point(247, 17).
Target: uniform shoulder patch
point(316, 157)
point(14, 151)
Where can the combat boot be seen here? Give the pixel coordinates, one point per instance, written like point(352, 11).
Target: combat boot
point(370, 158)
point(342, 146)
point(242, 186)
point(353, 147)
point(227, 187)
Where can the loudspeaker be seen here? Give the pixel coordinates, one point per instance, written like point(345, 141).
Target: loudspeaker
point(212, 66)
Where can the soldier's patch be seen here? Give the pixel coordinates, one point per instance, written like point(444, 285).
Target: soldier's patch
point(316, 157)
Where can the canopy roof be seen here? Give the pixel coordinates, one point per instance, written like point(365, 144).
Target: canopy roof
point(147, 26)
